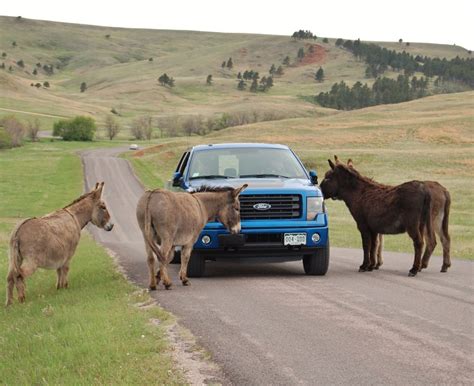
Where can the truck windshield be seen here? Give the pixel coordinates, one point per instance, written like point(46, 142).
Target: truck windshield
point(248, 162)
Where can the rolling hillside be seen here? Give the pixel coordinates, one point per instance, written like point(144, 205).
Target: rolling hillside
point(115, 64)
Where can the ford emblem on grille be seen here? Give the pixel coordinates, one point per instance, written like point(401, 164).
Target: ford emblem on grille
point(262, 206)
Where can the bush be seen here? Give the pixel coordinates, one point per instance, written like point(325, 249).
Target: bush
point(79, 128)
point(5, 139)
point(14, 129)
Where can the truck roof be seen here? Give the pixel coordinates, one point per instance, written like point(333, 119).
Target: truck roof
point(238, 145)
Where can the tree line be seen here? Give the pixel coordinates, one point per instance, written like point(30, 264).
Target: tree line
point(379, 59)
point(383, 91)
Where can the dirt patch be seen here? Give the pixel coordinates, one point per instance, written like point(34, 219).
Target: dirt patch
point(243, 52)
point(314, 54)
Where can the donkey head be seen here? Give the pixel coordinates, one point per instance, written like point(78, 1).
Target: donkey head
point(229, 214)
point(338, 179)
point(100, 214)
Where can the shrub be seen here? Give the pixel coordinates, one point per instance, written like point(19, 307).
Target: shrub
point(5, 139)
point(14, 129)
point(46, 84)
point(80, 128)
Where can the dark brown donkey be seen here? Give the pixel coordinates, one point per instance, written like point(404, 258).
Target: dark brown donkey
point(440, 206)
point(381, 209)
point(169, 219)
point(50, 241)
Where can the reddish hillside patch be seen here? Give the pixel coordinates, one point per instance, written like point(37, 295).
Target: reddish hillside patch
point(314, 53)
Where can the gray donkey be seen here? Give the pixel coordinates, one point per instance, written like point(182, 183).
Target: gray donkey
point(168, 219)
point(50, 241)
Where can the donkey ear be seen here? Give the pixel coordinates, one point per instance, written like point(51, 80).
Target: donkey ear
point(350, 163)
point(236, 192)
point(336, 159)
point(96, 186)
point(331, 164)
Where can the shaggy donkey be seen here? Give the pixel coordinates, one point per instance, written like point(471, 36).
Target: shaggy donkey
point(169, 219)
point(50, 241)
point(381, 209)
point(440, 206)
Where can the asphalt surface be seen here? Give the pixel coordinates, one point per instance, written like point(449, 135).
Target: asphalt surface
point(270, 324)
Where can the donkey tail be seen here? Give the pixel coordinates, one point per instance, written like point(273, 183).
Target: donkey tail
point(149, 232)
point(427, 221)
point(447, 206)
point(15, 255)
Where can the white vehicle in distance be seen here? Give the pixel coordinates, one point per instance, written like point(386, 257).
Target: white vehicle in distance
point(133, 146)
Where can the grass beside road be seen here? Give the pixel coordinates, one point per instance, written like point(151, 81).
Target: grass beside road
point(93, 332)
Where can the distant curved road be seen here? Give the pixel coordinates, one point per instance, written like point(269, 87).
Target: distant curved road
point(270, 324)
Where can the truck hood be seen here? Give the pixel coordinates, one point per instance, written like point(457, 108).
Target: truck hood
point(263, 185)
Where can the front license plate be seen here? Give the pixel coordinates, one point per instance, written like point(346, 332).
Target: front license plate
point(294, 239)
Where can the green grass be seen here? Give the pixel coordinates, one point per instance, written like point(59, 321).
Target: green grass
point(93, 332)
point(427, 139)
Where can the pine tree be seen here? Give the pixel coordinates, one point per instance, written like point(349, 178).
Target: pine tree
point(280, 71)
point(320, 75)
point(241, 85)
point(209, 79)
point(239, 75)
point(301, 53)
point(223, 64)
point(230, 64)
point(254, 85)
point(286, 61)
point(83, 86)
point(272, 69)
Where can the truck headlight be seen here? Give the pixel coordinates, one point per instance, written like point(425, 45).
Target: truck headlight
point(314, 205)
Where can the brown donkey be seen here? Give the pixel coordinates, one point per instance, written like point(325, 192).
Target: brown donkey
point(381, 209)
point(169, 219)
point(50, 241)
point(440, 206)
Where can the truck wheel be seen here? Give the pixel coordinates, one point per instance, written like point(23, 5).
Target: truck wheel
point(176, 258)
point(317, 263)
point(196, 265)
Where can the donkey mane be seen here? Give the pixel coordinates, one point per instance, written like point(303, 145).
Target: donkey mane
point(356, 175)
point(215, 189)
point(78, 199)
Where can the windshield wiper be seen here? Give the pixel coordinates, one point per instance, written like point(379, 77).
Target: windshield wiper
point(210, 177)
point(263, 175)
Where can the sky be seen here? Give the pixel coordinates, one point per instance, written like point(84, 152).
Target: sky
point(446, 22)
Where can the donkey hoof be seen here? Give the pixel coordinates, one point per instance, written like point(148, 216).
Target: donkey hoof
point(412, 272)
point(167, 286)
point(362, 269)
point(152, 288)
point(444, 268)
point(186, 282)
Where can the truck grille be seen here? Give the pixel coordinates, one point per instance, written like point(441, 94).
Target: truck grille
point(283, 206)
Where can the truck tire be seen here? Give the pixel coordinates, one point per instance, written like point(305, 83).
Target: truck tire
point(196, 265)
point(317, 263)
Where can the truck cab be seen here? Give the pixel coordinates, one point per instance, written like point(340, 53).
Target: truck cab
point(283, 216)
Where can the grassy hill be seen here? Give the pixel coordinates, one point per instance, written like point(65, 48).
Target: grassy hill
point(114, 62)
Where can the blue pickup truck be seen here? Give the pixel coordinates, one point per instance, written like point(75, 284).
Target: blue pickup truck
point(282, 211)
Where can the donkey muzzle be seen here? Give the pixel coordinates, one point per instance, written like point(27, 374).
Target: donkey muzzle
point(235, 229)
point(109, 226)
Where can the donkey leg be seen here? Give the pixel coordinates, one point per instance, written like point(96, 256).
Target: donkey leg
point(379, 251)
point(418, 243)
point(373, 251)
point(62, 276)
point(430, 246)
point(366, 242)
point(10, 286)
point(185, 255)
point(153, 280)
point(446, 242)
point(26, 269)
point(168, 253)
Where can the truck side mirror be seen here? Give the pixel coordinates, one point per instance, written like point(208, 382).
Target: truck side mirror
point(177, 177)
point(313, 176)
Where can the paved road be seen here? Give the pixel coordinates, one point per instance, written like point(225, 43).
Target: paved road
point(271, 324)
